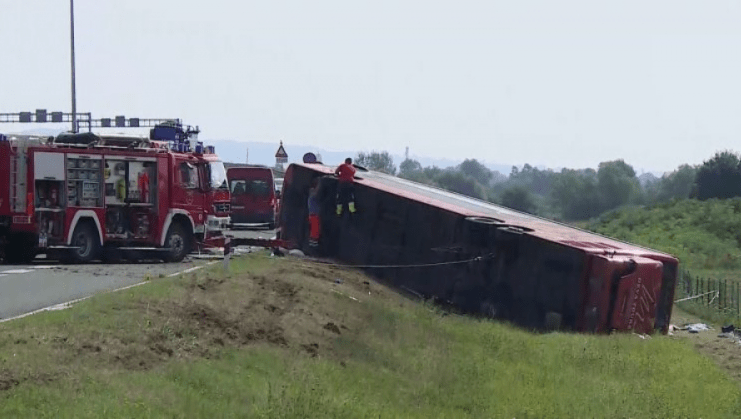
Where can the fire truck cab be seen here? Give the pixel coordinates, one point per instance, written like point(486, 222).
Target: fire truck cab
point(83, 197)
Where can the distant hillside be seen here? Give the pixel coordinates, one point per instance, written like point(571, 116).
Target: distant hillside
point(264, 153)
point(704, 235)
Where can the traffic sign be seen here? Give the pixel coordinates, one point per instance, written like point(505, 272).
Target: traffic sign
point(281, 156)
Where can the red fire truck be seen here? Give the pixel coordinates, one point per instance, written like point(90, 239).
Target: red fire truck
point(82, 197)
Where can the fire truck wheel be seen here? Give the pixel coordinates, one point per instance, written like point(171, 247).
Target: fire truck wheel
point(86, 239)
point(178, 243)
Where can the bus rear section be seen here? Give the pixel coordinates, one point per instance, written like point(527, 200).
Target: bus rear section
point(252, 196)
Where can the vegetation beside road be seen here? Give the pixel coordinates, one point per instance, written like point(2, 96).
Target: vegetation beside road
point(573, 194)
point(704, 235)
point(283, 338)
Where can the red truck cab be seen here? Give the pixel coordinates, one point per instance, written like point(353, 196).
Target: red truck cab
point(253, 199)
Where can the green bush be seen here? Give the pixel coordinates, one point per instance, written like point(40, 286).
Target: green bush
point(704, 235)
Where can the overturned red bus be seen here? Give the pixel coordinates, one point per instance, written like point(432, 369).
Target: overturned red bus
point(484, 258)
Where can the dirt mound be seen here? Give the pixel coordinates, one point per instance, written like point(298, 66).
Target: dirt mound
point(10, 378)
point(332, 328)
point(285, 303)
point(7, 380)
point(290, 305)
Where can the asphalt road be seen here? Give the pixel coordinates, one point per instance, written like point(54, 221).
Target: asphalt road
point(42, 284)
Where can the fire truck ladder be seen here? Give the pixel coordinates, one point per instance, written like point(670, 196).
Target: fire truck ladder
point(18, 172)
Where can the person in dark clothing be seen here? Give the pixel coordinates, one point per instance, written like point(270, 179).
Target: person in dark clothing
point(314, 211)
point(345, 188)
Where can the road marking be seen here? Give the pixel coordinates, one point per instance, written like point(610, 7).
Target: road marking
point(68, 304)
point(55, 307)
point(189, 270)
point(2, 275)
point(17, 271)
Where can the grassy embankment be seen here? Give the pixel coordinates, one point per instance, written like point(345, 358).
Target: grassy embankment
point(704, 235)
point(280, 338)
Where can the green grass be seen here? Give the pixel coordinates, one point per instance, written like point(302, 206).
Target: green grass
point(393, 358)
point(704, 235)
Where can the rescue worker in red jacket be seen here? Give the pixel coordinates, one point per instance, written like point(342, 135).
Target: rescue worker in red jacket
point(345, 188)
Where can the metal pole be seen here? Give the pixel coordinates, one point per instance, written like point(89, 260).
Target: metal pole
point(72, 48)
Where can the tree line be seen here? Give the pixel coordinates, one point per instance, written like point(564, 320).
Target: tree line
point(571, 194)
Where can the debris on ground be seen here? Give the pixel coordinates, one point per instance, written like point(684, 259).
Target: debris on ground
point(642, 336)
point(727, 332)
point(696, 327)
point(216, 254)
point(731, 333)
point(207, 256)
point(724, 350)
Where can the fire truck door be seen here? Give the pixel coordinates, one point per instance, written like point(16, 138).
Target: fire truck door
point(189, 193)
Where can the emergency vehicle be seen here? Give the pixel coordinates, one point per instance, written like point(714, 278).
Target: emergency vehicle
point(253, 196)
point(83, 197)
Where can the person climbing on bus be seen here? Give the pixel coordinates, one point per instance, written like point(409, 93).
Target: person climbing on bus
point(345, 188)
point(314, 211)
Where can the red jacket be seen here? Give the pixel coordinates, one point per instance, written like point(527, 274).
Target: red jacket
point(346, 172)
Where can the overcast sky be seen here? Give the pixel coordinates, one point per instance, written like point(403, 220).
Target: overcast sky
point(556, 83)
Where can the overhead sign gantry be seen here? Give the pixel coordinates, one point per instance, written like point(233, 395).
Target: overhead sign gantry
point(85, 119)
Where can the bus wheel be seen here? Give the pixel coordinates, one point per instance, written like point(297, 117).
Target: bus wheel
point(177, 243)
point(87, 243)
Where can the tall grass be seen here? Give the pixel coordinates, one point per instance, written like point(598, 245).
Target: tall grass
point(398, 359)
point(704, 235)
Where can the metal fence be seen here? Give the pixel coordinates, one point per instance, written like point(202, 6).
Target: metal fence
point(721, 295)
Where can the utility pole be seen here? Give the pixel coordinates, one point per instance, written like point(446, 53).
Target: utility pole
point(72, 56)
